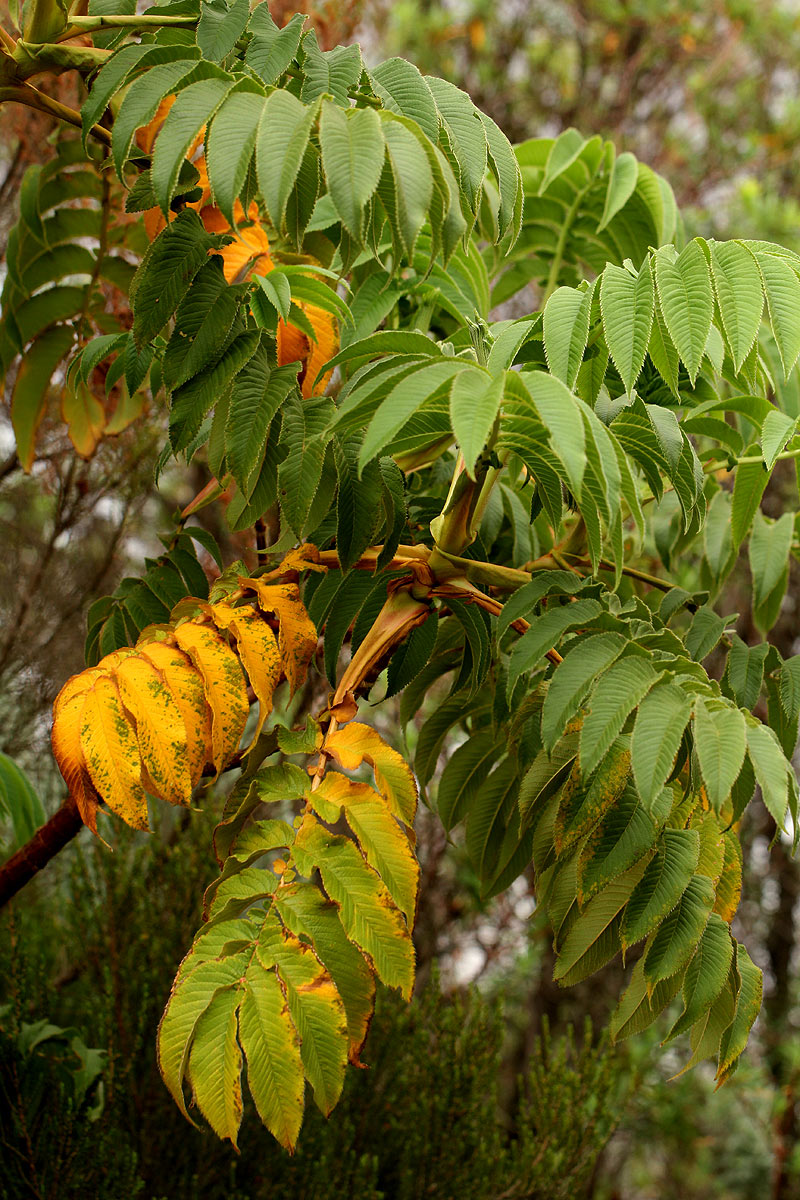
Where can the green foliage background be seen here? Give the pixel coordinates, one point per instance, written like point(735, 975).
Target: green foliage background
point(595, 72)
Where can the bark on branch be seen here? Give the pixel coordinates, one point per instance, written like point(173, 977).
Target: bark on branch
point(35, 854)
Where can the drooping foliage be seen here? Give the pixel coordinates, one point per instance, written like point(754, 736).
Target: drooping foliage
point(470, 496)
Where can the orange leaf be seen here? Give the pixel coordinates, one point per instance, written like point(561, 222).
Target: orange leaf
point(66, 742)
point(246, 254)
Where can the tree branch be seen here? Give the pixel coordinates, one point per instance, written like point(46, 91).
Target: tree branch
point(35, 854)
point(23, 93)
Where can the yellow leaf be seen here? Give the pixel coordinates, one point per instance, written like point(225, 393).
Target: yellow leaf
point(85, 418)
point(66, 742)
point(297, 634)
point(75, 685)
point(112, 757)
point(186, 685)
point(302, 558)
point(729, 887)
point(356, 743)
point(258, 651)
point(224, 684)
point(160, 728)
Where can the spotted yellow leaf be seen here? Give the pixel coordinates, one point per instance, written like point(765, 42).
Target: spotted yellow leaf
point(258, 651)
point(297, 634)
point(356, 743)
point(160, 728)
point(109, 745)
point(224, 684)
point(186, 685)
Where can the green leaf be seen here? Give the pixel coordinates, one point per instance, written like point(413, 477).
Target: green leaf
point(166, 272)
point(744, 672)
point(333, 72)
point(738, 286)
point(544, 633)
point(681, 930)
point(593, 921)
point(489, 816)
point(637, 1009)
point(367, 912)
point(625, 835)
point(748, 488)
point(192, 400)
point(358, 503)
point(31, 387)
point(258, 392)
point(662, 885)
point(770, 548)
point(19, 803)
point(305, 432)
point(509, 180)
point(464, 775)
point(466, 135)
point(305, 911)
point(411, 657)
point(406, 187)
point(706, 975)
point(202, 324)
point(706, 630)
point(215, 1065)
point(402, 90)
point(621, 186)
point(662, 717)
point(195, 987)
point(771, 769)
point(271, 50)
point(776, 431)
point(220, 27)
point(662, 350)
point(475, 400)
point(141, 104)
point(272, 1048)
point(193, 108)
point(566, 331)
point(572, 680)
point(402, 402)
point(281, 143)
point(748, 1006)
point(627, 306)
point(353, 150)
point(782, 288)
point(618, 691)
point(561, 415)
point(563, 152)
point(720, 739)
point(229, 147)
point(315, 1007)
point(687, 302)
